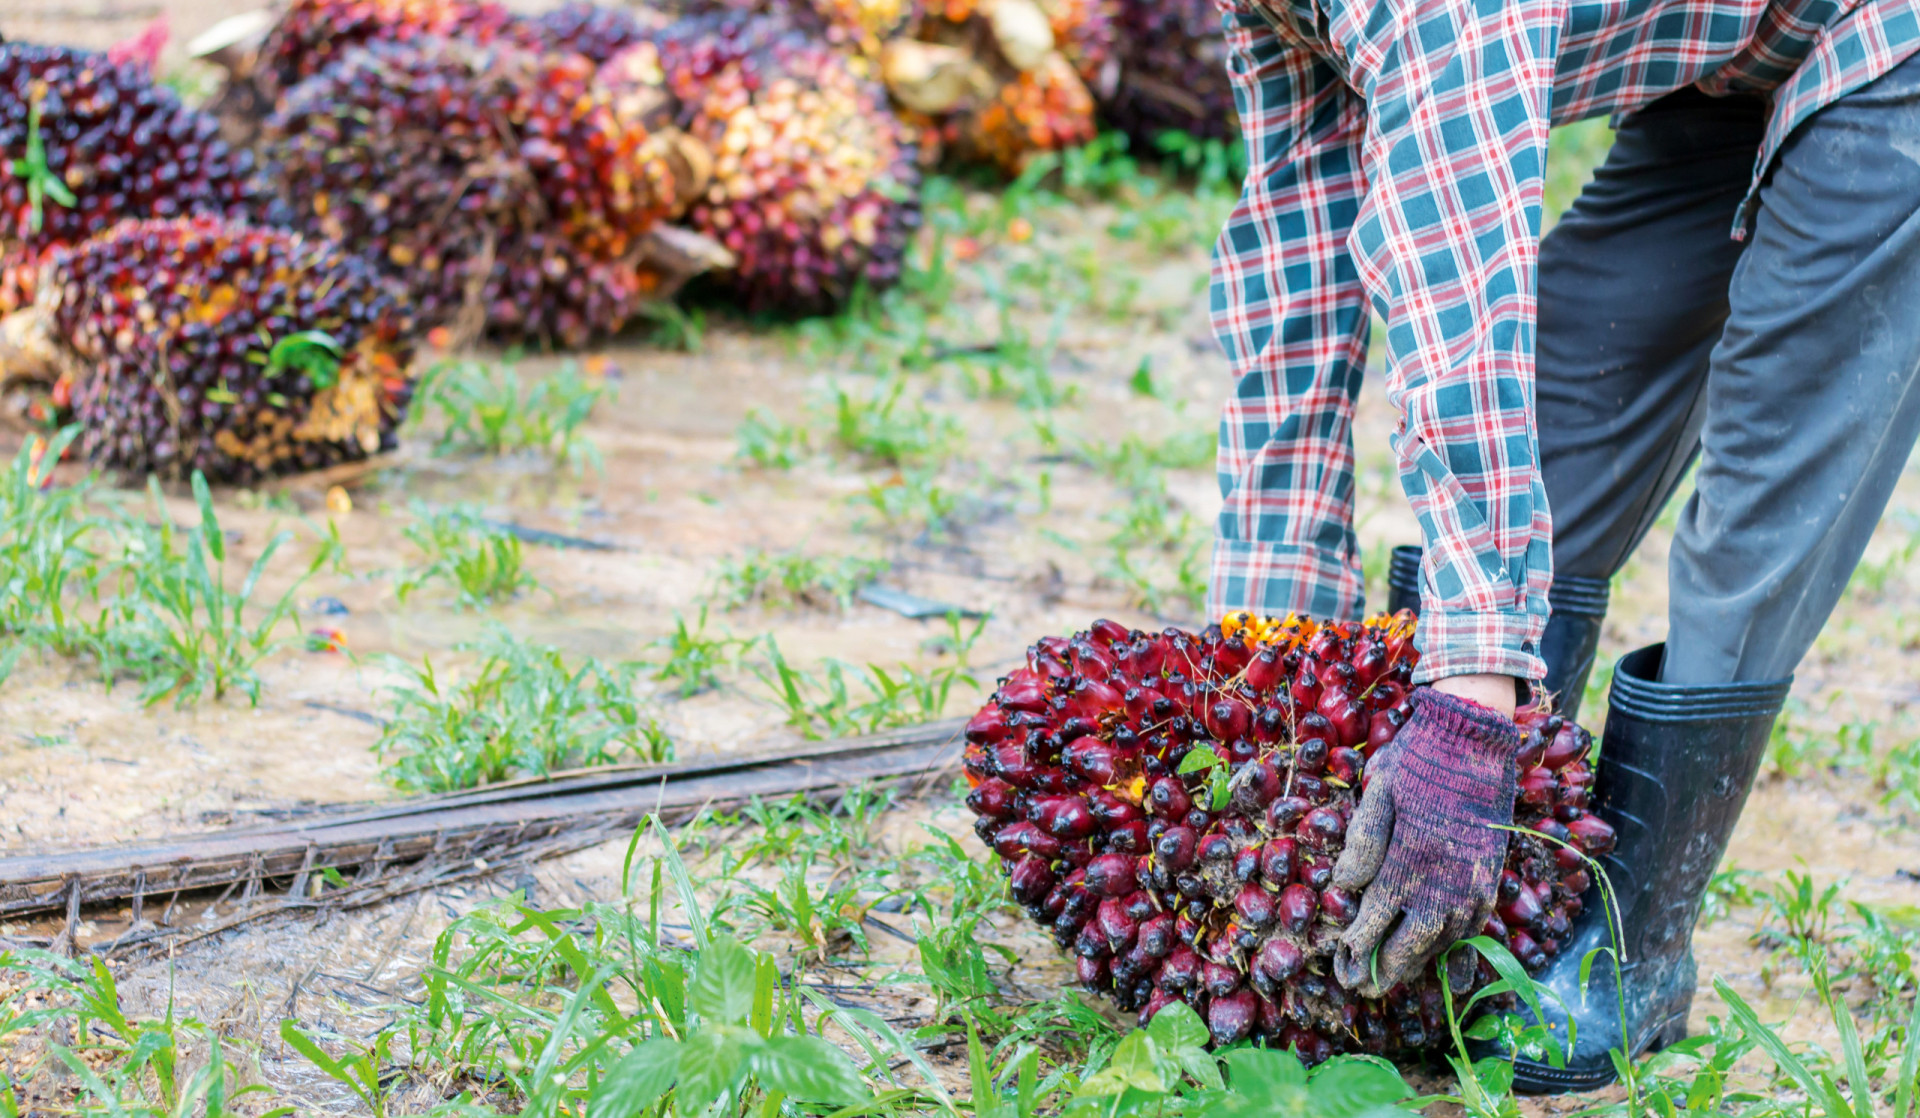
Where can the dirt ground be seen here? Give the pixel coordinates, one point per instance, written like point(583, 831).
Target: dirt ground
point(81, 764)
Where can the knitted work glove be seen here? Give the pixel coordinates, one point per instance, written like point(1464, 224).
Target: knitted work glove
point(1424, 843)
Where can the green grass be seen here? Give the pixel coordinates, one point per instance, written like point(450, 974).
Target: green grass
point(523, 710)
point(791, 580)
point(489, 409)
point(842, 699)
point(460, 549)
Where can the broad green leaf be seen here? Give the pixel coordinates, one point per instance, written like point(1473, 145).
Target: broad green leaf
point(806, 1068)
point(1197, 758)
point(723, 985)
point(1132, 1066)
point(1177, 1026)
point(638, 1080)
point(710, 1062)
point(1347, 1087)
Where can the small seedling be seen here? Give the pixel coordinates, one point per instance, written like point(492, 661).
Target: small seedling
point(460, 548)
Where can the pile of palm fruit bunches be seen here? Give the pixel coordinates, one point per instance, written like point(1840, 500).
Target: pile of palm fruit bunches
point(235, 288)
point(1169, 806)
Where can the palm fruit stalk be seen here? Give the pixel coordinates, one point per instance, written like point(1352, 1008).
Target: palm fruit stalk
point(239, 351)
point(496, 184)
point(86, 142)
point(1173, 73)
point(1170, 807)
point(814, 185)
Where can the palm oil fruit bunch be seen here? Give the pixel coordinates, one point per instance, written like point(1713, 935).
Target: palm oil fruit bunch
point(313, 34)
point(1171, 806)
point(85, 142)
point(860, 26)
point(1173, 72)
point(492, 182)
point(593, 30)
point(814, 186)
point(235, 350)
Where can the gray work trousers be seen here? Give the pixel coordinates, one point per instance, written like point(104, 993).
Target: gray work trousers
point(1787, 366)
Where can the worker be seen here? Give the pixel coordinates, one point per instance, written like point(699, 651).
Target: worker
point(1739, 286)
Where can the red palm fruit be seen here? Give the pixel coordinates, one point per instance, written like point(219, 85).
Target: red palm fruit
point(1340, 905)
point(1229, 719)
point(1112, 875)
point(1323, 828)
point(1526, 949)
point(1109, 632)
point(1568, 858)
point(1277, 961)
point(1067, 817)
point(1230, 1019)
point(1553, 829)
point(1593, 834)
point(1092, 973)
point(1180, 970)
point(1386, 694)
point(1156, 935)
point(1177, 847)
point(1369, 664)
point(1255, 906)
point(1217, 848)
point(1537, 787)
point(1253, 788)
point(1016, 840)
point(1170, 799)
point(1349, 720)
point(1265, 670)
point(1030, 880)
point(1111, 810)
point(1577, 882)
point(1140, 702)
point(1115, 924)
point(1093, 698)
point(1523, 910)
point(1315, 873)
point(988, 725)
point(1128, 838)
point(1310, 756)
point(1510, 885)
point(1023, 690)
point(1533, 747)
point(1277, 861)
point(1314, 726)
point(1089, 943)
point(1298, 906)
point(1246, 863)
point(1270, 725)
point(1346, 765)
point(993, 798)
point(1219, 979)
point(1305, 688)
point(1284, 812)
point(1494, 928)
point(1186, 928)
point(1091, 758)
point(1569, 745)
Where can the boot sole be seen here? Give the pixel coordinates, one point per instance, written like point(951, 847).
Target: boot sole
point(1532, 1078)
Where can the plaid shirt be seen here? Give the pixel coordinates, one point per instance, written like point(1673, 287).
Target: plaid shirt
point(1397, 149)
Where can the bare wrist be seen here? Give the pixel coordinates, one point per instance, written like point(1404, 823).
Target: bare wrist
point(1495, 692)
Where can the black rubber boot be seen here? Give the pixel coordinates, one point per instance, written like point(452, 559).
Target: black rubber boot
point(1675, 767)
point(1572, 638)
point(1572, 635)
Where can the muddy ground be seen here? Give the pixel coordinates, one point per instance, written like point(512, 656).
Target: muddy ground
point(84, 764)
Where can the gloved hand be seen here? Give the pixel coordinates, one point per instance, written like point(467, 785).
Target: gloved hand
point(1425, 843)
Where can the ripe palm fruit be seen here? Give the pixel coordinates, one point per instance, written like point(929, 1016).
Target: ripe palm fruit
point(313, 34)
point(815, 189)
point(860, 26)
point(597, 32)
point(184, 332)
point(121, 145)
point(493, 183)
point(1227, 891)
point(1043, 109)
point(1173, 72)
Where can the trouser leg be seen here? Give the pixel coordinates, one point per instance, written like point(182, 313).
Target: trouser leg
point(1812, 404)
point(1633, 295)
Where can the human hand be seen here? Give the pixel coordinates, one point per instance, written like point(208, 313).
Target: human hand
point(1425, 842)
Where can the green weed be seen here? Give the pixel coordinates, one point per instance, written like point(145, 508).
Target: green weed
point(827, 704)
point(693, 658)
point(766, 442)
point(46, 555)
point(489, 409)
point(791, 580)
point(460, 548)
point(524, 711)
point(879, 426)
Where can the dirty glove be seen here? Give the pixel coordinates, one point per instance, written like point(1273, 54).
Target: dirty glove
point(1425, 844)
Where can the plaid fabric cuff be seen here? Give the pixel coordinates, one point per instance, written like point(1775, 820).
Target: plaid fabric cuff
point(1274, 579)
point(1466, 643)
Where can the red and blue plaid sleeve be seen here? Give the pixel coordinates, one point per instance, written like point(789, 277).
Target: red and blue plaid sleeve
point(1289, 310)
point(1437, 224)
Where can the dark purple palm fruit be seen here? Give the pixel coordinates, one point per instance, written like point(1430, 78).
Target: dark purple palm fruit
point(496, 185)
point(1213, 887)
point(219, 347)
point(313, 34)
point(815, 188)
point(121, 146)
point(595, 30)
